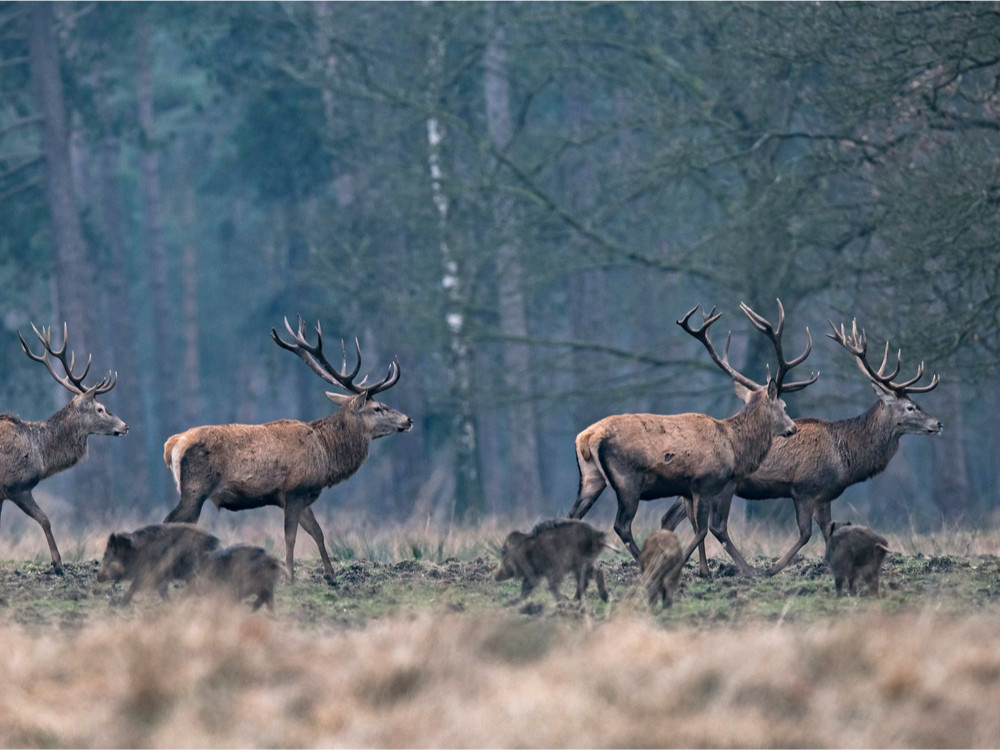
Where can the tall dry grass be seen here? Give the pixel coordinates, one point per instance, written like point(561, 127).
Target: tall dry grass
point(194, 676)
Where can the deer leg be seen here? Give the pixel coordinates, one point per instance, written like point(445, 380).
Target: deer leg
point(699, 512)
point(627, 508)
point(673, 516)
point(823, 517)
point(719, 526)
point(27, 503)
point(293, 515)
point(592, 484)
point(308, 522)
point(702, 556)
point(804, 508)
point(188, 508)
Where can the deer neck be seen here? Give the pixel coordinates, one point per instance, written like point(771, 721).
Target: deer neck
point(866, 443)
point(60, 441)
point(346, 442)
point(751, 435)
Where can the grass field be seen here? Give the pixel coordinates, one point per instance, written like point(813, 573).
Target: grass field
point(417, 646)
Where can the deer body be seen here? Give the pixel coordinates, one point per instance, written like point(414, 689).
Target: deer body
point(249, 466)
point(823, 458)
point(286, 463)
point(649, 456)
point(33, 451)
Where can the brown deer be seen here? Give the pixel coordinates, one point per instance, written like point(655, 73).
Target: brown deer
point(286, 463)
point(32, 451)
point(649, 456)
point(822, 459)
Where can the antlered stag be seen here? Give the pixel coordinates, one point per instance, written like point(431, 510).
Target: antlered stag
point(286, 463)
point(32, 451)
point(649, 456)
point(822, 459)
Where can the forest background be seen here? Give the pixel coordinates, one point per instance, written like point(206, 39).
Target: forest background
point(518, 201)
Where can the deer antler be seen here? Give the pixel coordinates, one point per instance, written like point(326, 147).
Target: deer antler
point(761, 324)
point(774, 333)
point(313, 356)
point(857, 344)
point(73, 383)
point(701, 334)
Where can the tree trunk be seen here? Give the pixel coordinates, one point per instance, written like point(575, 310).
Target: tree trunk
point(468, 501)
point(73, 274)
point(525, 476)
point(166, 420)
point(189, 314)
point(951, 489)
point(132, 467)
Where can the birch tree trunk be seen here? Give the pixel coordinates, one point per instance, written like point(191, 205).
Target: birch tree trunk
point(468, 501)
point(525, 476)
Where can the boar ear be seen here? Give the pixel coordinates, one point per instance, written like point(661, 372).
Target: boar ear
point(120, 541)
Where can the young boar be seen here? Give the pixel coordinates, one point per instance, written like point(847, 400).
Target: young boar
point(551, 550)
point(660, 564)
point(855, 554)
point(241, 571)
point(153, 556)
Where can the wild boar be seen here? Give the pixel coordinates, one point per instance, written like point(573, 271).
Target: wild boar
point(153, 556)
point(855, 554)
point(241, 571)
point(660, 564)
point(551, 550)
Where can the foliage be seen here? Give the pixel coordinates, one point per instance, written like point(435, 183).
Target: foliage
point(841, 157)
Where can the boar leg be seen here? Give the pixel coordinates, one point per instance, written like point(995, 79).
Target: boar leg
point(26, 502)
point(527, 586)
point(599, 578)
point(554, 582)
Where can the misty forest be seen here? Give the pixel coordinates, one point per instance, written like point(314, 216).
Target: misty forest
point(517, 201)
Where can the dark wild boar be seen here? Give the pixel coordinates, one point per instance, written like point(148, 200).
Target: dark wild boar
point(552, 550)
point(855, 555)
point(153, 556)
point(241, 571)
point(660, 564)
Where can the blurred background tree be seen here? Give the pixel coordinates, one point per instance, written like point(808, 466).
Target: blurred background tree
point(518, 200)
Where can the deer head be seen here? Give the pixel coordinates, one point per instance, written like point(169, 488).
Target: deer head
point(380, 419)
point(909, 418)
point(746, 388)
point(94, 418)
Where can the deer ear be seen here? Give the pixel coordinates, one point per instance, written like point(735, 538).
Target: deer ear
point(338, 398)
point(742, 392)
point(772, 388)
point(887, 396)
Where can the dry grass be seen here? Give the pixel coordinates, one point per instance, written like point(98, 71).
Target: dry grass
point(191, 676)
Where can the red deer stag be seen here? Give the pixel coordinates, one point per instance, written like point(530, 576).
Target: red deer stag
point(286, 463)
point(32, 451)
point(822, 459)
point(649, 456)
